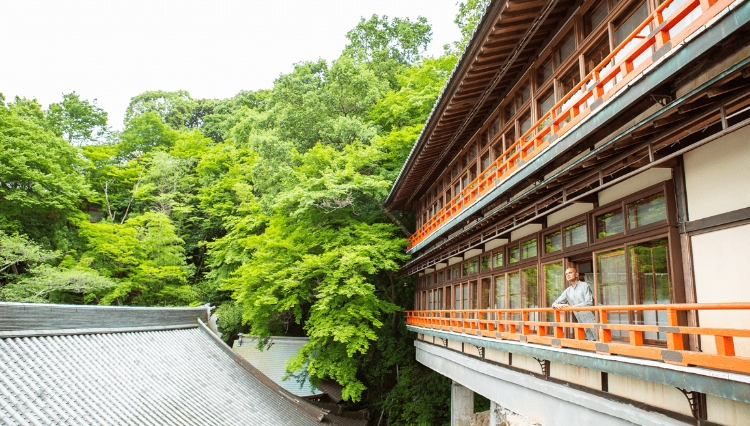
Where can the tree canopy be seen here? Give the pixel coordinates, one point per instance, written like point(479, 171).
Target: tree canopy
point(267, 205)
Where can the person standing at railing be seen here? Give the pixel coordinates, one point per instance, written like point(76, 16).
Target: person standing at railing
point(578, 294)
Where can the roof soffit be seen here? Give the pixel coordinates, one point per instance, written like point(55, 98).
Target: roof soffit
point(509, 34)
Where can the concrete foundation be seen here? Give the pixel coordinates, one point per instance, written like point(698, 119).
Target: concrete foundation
point(462, 405)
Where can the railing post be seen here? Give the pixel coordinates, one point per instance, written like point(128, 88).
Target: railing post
point(724, 345)
point(559, 331)
point(605, 335)
point(674, 339)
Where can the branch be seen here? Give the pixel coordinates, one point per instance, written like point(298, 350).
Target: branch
point(132, 196)
point(395, 220)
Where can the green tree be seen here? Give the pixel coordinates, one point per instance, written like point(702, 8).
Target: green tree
point(467, 19)
point(78, 121)
point(386, 46)
point(40, 184)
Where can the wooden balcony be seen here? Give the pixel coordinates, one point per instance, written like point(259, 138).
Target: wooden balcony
point(669, 346)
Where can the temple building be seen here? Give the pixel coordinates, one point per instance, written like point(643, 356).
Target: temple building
point(607, 136)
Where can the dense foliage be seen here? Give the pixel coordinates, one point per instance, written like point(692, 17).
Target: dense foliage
point(266, 205)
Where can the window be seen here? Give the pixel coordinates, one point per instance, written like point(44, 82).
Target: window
point(596, 54)
point(595, 16)
point(545, 71)
point(524, 124)
point(497, 261)
point(500, 292)
point(612, 286)
point(553, 242)
point(485, 294)
point(440, 277)
point(635, 274)
point(566, 48)
point(457, 297)
point(569, 81)
point(623, 29)
point(528, 249)
point(465, 269)
point(523, 290)
point(455, 273)
point(647, 210)
point(514, 254)
point(575, 234)
point(609, 223)
point(485, 161)
point(554, 284)
point(486, 263)
point(473, 266)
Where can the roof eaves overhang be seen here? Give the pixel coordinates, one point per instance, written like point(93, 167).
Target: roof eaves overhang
point(663, 69)
point(463, 66)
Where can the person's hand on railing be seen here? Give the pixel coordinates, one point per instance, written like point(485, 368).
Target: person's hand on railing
point(560, 306)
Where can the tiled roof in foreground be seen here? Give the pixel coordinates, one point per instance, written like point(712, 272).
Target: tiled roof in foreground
point(166, 372)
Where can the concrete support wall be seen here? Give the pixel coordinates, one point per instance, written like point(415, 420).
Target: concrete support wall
point(462, 405)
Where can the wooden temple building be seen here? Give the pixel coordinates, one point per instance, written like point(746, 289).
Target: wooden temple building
point(610, 136)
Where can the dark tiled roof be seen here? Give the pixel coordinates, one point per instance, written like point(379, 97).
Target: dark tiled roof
point(177, 374)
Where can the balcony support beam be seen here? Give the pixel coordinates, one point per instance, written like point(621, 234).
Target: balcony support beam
point(725, 385)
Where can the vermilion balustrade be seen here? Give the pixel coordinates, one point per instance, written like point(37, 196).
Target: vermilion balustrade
point(526, 325)
point(602, 82)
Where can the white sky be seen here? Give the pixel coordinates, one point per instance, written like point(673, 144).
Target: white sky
point(112, 50)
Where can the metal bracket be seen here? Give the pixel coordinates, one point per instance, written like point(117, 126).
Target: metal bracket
point(663, 100)
point(480, 351)
point(544, 364)
point(697, 403)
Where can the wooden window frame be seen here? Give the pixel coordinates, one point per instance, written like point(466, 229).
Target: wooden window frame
point(671, 212)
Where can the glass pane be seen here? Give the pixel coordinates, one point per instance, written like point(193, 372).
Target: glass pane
point(612, 286)
point(500, 292)
point(441, 276)
point(465, 268)
point(486, 263)
point(530, 290)
point(473, 266)
point(473, 295)
point(457, 302)
point(566, 48)
point(649, 273)
point(647, 210)
point(465, 296)
point(486, 294)
point(514, 290)
point(455, 272)
point(554, 284)
point(609, 223)
point(498, 260)
point(630, 24)
point(575, 234)
point(553, 242)
point(528, 249)
point(514, 254)
point(596, 16)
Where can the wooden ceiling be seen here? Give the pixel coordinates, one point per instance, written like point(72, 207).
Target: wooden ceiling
point(507, 41)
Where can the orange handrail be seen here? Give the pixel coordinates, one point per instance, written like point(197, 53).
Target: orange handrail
point(560, 122)
point(526, 325)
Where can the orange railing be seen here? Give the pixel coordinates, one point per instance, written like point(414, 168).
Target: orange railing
point(667, 339)
point(602, 82)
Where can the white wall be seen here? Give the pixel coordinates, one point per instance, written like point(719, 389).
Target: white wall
point(641, 181)
point(568, 212)
point(717, 176)
point(720, 265)
point(525, 231)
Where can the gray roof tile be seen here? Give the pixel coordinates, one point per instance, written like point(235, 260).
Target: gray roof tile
point(178, 376)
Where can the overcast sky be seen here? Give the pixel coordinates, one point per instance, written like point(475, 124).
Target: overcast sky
point(112, 50)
